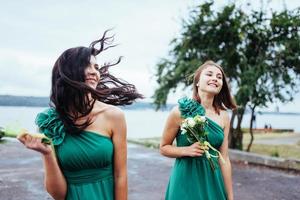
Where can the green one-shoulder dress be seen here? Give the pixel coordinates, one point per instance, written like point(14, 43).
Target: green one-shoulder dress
point(86, 159)
point(192, 178)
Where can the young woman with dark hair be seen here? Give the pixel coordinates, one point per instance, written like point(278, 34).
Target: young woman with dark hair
point(192, 177)
point(88, 157)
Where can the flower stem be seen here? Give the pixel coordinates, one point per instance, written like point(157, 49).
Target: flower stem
point(207, 154)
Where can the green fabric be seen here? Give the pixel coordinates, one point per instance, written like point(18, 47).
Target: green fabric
point(192, 177)
point(86, 160)
point(50, 124)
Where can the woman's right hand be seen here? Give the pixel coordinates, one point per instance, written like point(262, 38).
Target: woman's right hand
point(35, 143)
point(194, 150)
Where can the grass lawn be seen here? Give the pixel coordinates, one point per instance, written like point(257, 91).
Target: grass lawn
point(283, 151)
point(147, 142)
point(265, 136)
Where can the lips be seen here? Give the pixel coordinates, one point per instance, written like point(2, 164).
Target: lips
point(91, 79)
point(213, 84)
point(92, 82)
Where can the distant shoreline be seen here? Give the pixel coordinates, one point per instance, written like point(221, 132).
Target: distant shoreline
point(30, 101)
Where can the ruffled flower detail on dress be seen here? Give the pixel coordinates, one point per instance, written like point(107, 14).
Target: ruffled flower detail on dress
point(51, 126)
point(190, 107)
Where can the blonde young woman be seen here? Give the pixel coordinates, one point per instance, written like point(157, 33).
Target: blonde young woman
point(192, 177)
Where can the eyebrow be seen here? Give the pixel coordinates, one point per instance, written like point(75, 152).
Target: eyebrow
point(217, 73)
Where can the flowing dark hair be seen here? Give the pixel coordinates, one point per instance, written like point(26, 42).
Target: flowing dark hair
point(223, 100)
point(69, 93)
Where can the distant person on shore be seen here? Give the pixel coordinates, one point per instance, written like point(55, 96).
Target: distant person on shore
point(88, 156)
point(270, 128)
point(193, 177)
point(266, 128)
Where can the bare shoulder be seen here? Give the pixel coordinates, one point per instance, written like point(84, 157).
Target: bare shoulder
point(175, 116)
point(225, 118)
point(108, 111)
point(116, 122)
point(175, 112)
point(114, 112)
point(225, 115)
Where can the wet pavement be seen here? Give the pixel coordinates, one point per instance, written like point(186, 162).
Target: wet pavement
point(21, 176)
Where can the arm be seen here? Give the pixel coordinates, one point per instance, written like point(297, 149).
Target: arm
point(170, 131)
point(55, 183)
point(226, 168)
point(119, 132)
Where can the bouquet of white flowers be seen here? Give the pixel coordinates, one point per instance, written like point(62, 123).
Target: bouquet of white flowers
point(194, 128)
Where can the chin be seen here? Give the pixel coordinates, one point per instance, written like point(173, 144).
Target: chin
point(92, 86)
point(212, 91)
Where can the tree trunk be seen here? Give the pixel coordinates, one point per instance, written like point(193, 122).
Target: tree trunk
point(251, 128)
point(230, 135)
point(237, 133)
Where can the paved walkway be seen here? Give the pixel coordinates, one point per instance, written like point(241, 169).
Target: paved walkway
point(21, 176)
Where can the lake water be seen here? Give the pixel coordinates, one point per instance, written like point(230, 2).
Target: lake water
point(140, 123)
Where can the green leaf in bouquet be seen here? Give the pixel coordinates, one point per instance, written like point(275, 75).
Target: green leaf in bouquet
point(46, 141)
point(191, 138)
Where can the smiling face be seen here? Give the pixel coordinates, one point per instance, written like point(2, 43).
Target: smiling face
point(92, 74)
point(210, 80)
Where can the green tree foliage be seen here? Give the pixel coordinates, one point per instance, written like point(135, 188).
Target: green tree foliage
point(2, 133)
point(259, 51)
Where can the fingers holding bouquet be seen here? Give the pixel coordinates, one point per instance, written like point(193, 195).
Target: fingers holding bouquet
point(195, 150)
point(37, 142)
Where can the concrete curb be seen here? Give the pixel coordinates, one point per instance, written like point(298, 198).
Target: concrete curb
point(253, 158)
point(237, 155)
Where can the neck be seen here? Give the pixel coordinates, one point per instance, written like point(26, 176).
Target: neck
point(206, 100)
point(89, 96)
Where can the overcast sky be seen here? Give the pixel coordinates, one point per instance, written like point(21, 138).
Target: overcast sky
point(34, 33)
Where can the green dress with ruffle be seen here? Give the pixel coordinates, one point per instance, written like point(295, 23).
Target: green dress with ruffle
point(86, 159)
point(192, 178)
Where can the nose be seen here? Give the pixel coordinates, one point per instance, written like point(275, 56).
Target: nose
point(214, 79)
point(92, 71)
